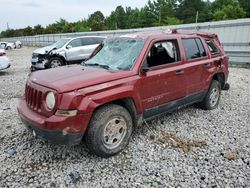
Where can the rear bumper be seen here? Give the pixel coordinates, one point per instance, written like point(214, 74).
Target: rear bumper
point(56, 129)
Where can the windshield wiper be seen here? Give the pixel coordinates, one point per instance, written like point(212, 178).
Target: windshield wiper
point(98, 65)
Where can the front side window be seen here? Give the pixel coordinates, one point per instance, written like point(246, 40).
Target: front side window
point(60, 43)
point(193, 48)
point(117, 53)
point(75, 43)
point(163, 52)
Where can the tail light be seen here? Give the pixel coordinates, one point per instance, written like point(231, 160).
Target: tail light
point(2, 53)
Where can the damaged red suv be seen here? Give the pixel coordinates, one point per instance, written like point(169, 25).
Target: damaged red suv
point(127, 80)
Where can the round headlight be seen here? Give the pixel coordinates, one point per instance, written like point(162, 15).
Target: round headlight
point(50, 100)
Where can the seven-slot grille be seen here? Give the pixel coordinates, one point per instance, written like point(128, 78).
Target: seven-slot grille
point(33, 98)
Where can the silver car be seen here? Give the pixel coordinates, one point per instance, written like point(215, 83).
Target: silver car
point(65, 51)
point(4, 60)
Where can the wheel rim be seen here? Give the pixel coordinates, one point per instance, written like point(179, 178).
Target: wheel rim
point(114, 132)
point(214, 96)
point(55, 63)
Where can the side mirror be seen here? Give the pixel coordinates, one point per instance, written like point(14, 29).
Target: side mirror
point(144, 69)
point(69, 46)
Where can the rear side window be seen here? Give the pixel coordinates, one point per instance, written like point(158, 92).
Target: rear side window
point(212, 47)
point(194, 48)
point(91, 41)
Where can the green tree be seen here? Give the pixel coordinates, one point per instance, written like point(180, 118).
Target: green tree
point(38, 29)
point(245, 4)
point(97, 21)
point(172, 21)
point(229, 12)
point(187, 11)
point(160, 10)
point(120, 17)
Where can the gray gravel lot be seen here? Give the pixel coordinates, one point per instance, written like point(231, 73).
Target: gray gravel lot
point(187, 148)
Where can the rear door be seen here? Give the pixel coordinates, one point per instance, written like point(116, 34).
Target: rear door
point(89, 44)
point(198, 64)
point(165, 81)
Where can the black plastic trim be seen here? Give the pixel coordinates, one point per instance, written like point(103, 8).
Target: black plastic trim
point(173, 105)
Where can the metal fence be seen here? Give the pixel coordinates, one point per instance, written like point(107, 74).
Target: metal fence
point(234, 35)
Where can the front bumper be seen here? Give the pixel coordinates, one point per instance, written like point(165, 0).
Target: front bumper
point(55, 129)
point(38, 64)
point(53, 136)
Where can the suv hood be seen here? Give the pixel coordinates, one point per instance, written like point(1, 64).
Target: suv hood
point(43, 50)
point(69, 78)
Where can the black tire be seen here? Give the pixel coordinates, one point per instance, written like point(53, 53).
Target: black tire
point(8, 48)
point(96, 142)
point(55, 62)
point(210, 103)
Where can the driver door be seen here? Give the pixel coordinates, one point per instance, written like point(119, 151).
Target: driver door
point(73, 50)
point(165, 80)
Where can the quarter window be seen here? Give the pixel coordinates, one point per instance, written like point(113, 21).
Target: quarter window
point(212, 47)
point(194, 48)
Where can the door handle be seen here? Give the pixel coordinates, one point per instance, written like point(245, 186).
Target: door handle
point(179, 72)
point(206, 65)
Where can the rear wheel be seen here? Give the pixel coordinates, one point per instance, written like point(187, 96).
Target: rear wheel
point(55, 62)
point(109, 130)
point(212, 98)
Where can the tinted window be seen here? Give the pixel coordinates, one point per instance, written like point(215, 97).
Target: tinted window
point(193, 48)
point(91, 41)
point(76, 43)
point(201, 48)
point(163, 52)
point(212, 47)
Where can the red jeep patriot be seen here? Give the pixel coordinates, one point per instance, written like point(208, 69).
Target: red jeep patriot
point(126, 80)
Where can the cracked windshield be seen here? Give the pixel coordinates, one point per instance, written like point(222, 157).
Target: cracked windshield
point(118, 53)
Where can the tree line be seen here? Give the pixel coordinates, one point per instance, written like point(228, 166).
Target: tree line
point(154, 13)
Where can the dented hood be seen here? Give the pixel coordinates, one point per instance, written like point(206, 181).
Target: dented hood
point(69, 78)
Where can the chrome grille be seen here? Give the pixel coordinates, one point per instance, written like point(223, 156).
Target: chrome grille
point(33, 98)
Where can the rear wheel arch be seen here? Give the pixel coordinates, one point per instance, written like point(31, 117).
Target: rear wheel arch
point(220, 77)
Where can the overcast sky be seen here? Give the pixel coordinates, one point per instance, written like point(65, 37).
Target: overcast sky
point(22, 13)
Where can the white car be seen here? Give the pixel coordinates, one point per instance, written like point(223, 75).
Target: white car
point(65, 51)
point(7, 45)
point(4, 60)
point(18, 44)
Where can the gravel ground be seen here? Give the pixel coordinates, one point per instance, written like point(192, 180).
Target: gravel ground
point(187, 148)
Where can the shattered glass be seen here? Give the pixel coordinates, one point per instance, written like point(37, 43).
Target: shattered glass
point(118, 53)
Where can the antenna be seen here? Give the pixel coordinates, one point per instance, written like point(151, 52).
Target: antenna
point(196, 20)
point(8, 28)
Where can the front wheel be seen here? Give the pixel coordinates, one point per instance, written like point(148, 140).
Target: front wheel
point(212, 98)
point(109, 130)
point(55, 62)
